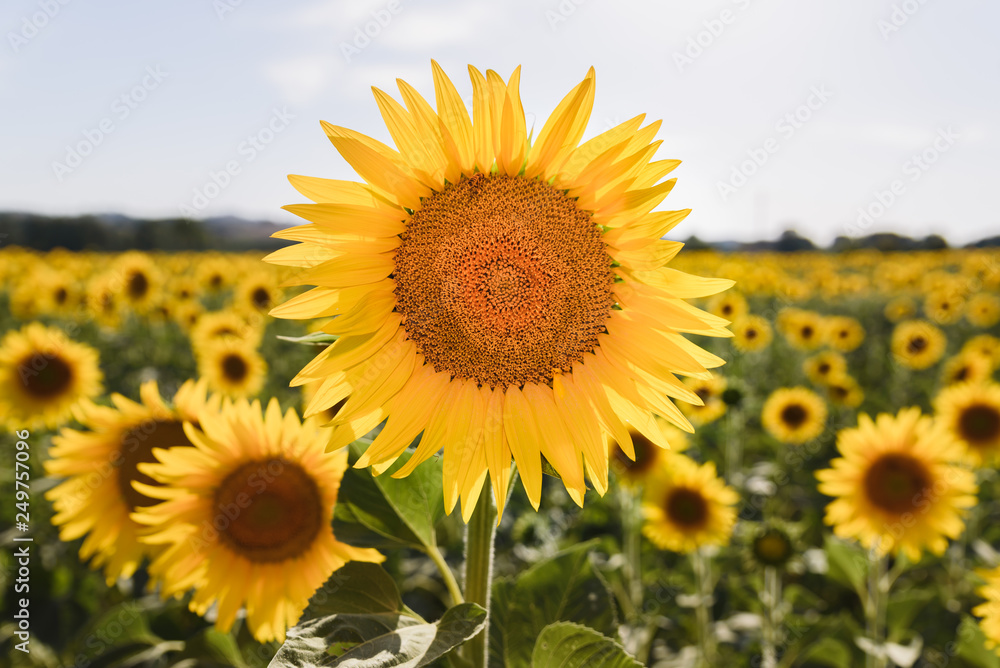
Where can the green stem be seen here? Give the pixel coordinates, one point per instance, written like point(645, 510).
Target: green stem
point(479, 536)
point(702, 613)
point(446, 574)
point(632, 547)
point(772, 618)
point(876, 610)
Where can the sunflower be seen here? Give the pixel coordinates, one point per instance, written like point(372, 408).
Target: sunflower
point(219, 325)
point(986, 345)
point(214, 273)
point(971, 412)
point(803, 329)
point(687, 506)
point(967, 367)
point(505, 298)
point(794, 415)
point(256, 293)
point(917, 344)
point(731, 306)
point(232, 367)
point(844, 333)
point(751, 333)
point(897, 486)
point(138, 281)
point(43, 375)
point(843, 390)
point(246, 516)
point(983, 310)
point(771, 546)
point(820, 368)
point(709, 391)
point(101, 463)
point(899, 308)
point(944, 306)
point(647, 457)
point(103, 300)
point(990, 610)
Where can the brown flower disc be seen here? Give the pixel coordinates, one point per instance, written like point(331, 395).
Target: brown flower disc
point(502, 280)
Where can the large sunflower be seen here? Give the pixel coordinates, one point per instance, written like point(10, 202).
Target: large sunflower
point(794, 414)
point(43, 375)
point(505, 298)
point(971, 412)
point(897, 486)
point(100, 464)
point(688, 506)
point(246, 516)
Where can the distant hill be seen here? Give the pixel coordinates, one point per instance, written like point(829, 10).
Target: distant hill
point(115, 232)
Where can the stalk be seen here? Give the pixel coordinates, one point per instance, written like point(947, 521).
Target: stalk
point(479, 536)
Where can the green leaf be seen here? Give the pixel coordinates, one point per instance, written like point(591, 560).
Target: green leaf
point(123, 626)
point(972, 645)
point(416, 500)
point(315, 339)
point(360, 501)
point(829, 652)
point(356, 588)
point(848, 564)
point(570, 645)
point(211, 647)
point(903, 607)
point(564, 588)
point(380, 640)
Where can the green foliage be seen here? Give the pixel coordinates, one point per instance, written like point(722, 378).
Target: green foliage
point(362, 624)
point(570, 645)
point(565, 587)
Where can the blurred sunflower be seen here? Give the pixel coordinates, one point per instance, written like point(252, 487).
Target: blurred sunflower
point(986, 345)
point(771, 546)
point(900, 308)
point(983, 310)
point(751, 333)
point(139, 279)
point(647, 456)
point(232, 367)
point(709, 391)
point(971, 412)
point(688, 506)
point(917, 344)
point(897, 486)
point(820, 368)
point(843, 390)
point(944, 306)
point(101, 463)
point(246, 516)
point(256, 293)
point(844, 333)
point(803, 329)
point(731, 306)
point(43, 375)
point(103, 300)
point(989, 612)
point(219, 325)
point(214, 273)
point(794, 414)
point(967, 367)
point(508, 299)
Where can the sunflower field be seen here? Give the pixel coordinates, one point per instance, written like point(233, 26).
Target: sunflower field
point(439, 428)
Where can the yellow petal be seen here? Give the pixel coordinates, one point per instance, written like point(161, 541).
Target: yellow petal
point(495, 445)
point(513, 134)
point(555, 444)
point(524, 439)
point(347, 271)
point(324, 302)
point(574, 407)
point(562, 131)
point(482, 129)
point(352, 219)
point(456, 128)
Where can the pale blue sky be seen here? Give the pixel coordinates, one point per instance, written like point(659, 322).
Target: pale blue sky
point(886, 79)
